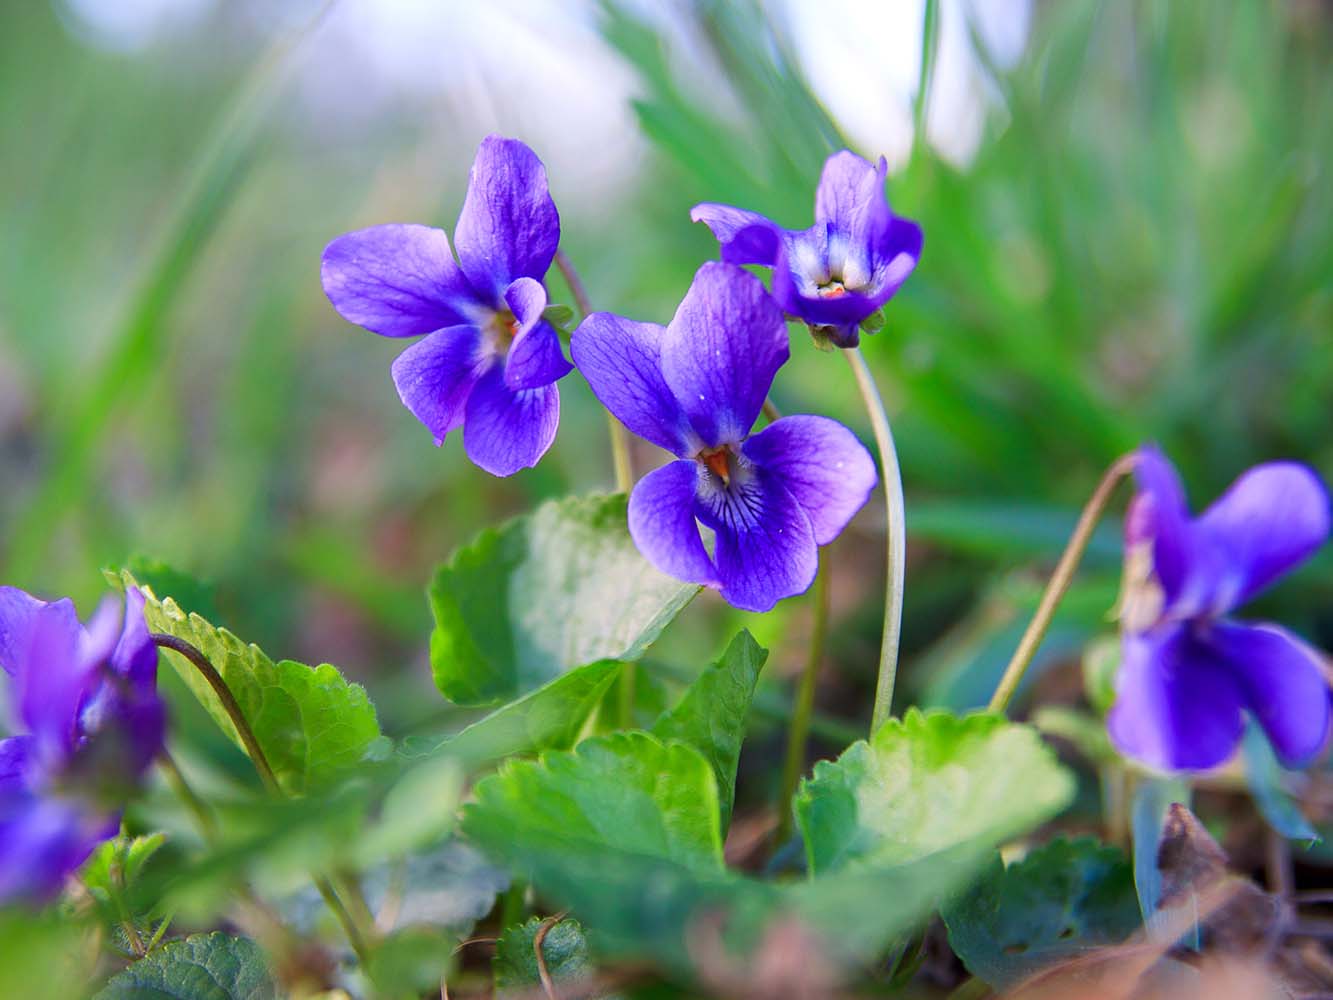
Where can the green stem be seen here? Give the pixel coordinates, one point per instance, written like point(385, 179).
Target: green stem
point(798, 732)
point(896, 550)
point(357, 933)
point(176, 779)
point(1059, 582)
point(620, 457)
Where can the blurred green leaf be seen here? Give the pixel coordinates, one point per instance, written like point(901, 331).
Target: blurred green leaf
point(1265, 776)
point(564, 953)
point(311, 723)
point(1064, 898)
point(411, 962)
point(926, 783)
point(43, 956)
point(549, 591)
point(549, 718)
point(712, 714)
point(203, 967)
point(417, 811)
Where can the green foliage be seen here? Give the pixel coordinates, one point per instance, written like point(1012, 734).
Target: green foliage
point(203, 967)
point(411, 962)
point(711, 716)
point(310, 722)
point(1266, 777)
point(564, 951)
point(626, 792)
point(549, 718)
point(417, 811)
point(112, 877)
point(42, 955)
point(926, 783)
point(1062, 899)
point(546, 592)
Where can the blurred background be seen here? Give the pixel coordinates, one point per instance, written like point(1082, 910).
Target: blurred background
point(1129, 236)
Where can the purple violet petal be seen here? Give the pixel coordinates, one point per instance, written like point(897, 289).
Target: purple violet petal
point(534, 358)
point(662, 524)
point(721, 351)
point(1283, 684)
point(1271, 519)
point(397, 280)
point(509, 227)
point(436, 375)
point(765, 547)
point(1176, 708)
point(821, 464)
point(135, 655)
point(621, 360)
point(1160, 514)
point(58, 672)
point(45, 840)
point(506, 430)
point(17, 611)
point(745, 237)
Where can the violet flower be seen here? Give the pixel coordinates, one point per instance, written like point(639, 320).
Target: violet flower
point(487, 361)
point(695, 388)
point(88, 722)
point(842, 269)
point(1188, 672)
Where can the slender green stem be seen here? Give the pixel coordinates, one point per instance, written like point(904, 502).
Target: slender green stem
point(357, 935)
point(896, 550)
point(930, 23)
point(620, 457)
point(1059, 582)
point(798, 732)
point(771, 411)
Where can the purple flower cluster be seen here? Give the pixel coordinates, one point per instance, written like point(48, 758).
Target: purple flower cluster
point(1189, 672)
point(695, 388)
point(841, 270)
point(487, 360)
point(88, 722)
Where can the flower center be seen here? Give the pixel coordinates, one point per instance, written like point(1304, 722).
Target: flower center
point(718, 462)
point(1142, 599)
point(832, 289)
point(503, 327)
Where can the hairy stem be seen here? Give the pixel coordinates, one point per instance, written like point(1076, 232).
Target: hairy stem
point(356, 935)
point(620, 457)
point(896, 549)
point(1059, 582)
point(798, 732)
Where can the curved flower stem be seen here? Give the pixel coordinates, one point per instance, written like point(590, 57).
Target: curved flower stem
point(1059, 582)
point(798, 731)
point(356, 935)
point(896, 551)
point(620, 457)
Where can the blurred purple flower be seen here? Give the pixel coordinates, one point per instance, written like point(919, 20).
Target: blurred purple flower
point(695, 388)
point(488, 361)
point(842, 269)
point(1188, 673)
point(88, 721)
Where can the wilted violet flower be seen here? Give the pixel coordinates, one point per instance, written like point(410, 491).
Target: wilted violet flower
point(88, 721)
point(1189, 673)
point(695, 388)
point(842, 269)
point(488, 361)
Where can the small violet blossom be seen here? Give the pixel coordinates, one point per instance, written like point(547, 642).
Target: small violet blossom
point(842, 269)
point(696, 388)
point(488, 361)
point(1189, 673)
point(88, 723)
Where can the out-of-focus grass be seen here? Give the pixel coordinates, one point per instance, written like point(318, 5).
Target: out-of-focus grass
point(1141, 249)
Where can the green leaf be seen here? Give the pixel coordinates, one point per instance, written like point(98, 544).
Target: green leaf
point(874, 322)
point(1062, 899)
point(411, 962)
point(559, 316)
point(203, 967)
point(1101, 663)
point(628, 792)
point(564, 952)
point(43, 956)
point(549, 718)
point(1084, 731)
point(927, 783)
point(711, 716)
point(1265, 776)
point(624, 830)
point(418, 810)
point(117, 863)
point(311, 723)
point(546, 592)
